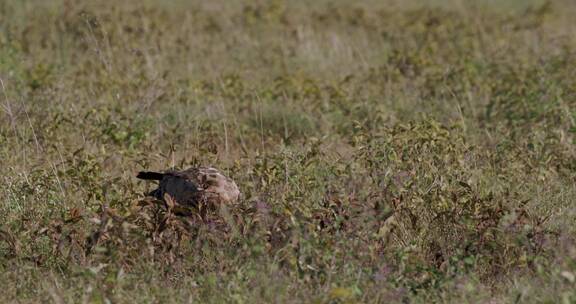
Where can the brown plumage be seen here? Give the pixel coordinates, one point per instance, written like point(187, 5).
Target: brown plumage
point(194, 186)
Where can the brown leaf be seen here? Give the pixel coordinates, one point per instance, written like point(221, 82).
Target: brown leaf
point(170, 203)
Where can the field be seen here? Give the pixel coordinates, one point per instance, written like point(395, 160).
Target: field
point(387, 151)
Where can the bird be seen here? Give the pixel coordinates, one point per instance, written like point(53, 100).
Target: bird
point(194, 187)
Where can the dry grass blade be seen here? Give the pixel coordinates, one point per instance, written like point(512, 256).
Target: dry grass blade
point(53, 290)
point(95, 237)
point(12, 241)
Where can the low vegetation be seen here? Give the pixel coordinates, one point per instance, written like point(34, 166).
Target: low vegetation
point(387, 151)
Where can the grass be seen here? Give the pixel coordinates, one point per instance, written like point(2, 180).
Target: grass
point(387, 151)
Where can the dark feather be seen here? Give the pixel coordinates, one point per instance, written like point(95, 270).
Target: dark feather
point(150, 175)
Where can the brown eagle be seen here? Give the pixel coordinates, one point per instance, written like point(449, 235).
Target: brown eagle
point(194, 187)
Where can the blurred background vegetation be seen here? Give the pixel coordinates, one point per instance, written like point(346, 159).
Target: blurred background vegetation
point(387, 151)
